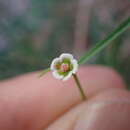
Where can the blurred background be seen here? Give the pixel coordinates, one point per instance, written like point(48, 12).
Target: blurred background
point(33, 32)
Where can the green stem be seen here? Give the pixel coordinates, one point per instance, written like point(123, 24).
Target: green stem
point(79, 87)
point(102, 44)
point(44, 72)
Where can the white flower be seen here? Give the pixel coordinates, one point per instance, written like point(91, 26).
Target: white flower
point(64, 66)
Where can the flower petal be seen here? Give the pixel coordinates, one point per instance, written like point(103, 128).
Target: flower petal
point(57, 75)
point(60, 63)
point(54, 62)
point(75, 66)
point(67, 76)
point(66, 56)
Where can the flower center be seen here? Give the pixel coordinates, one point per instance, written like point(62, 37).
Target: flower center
point(64, 67)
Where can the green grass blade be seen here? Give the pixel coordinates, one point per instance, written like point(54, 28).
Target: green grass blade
point(102, 44)
point(44, 72)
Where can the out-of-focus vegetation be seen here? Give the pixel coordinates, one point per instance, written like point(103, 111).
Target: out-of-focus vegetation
point(33, 32)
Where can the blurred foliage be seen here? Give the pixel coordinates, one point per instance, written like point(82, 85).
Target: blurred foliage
point(22, 53)
point(32, 38)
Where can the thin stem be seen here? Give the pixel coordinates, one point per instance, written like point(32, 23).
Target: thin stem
point(79, 87)
point(102, 44)
point(44, 72)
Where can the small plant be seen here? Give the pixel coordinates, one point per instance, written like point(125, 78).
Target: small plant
point(66, 66)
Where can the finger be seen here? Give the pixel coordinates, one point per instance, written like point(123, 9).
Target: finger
point(107, 111)
point(36, 102)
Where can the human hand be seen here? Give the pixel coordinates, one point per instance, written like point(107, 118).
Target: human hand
point(30, 103)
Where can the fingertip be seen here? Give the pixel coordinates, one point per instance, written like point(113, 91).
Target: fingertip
point(101, 112)
point(106, 111)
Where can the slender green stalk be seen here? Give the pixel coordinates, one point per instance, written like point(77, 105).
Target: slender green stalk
point(102, 44)
point(79, 87)
point(44, 72)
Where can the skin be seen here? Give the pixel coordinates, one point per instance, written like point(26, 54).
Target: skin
point(30, 103)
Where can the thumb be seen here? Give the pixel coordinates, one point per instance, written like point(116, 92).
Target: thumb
point(106, 111)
